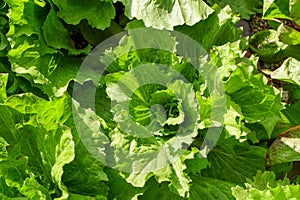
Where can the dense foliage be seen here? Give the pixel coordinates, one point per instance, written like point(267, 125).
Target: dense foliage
point(44, 153)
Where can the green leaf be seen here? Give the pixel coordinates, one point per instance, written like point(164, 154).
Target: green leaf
point(58, 37)
point(245, 8)
point(85, 197)
point(289, 71)
point(33, 190)
point(234, 162)
point(9, 118)
point(158, 191)
point(47, 156)
point(47, 144)
point(51, 73)
point(273, 46)
point(122, 93)
point(139, 131)
point(3, 84)
point(3, 43)
point(201, 188)
point(48, 113)
point(161, 14)
point(6, 191)
point(98, 13)
point(227, 56)
point(196, 163)
point(259, 102)
point(288, 35)
point(292, 114)
point(210, 188)
point(233, 121)
point(276, 9)
point(294, 10)
point(267, 46)
point(26, 17)
point(14, 171)
point(285, 9)
point(222, 28)
point(85, 174)
point(265, 186)
point(120, 188)
point(31, 57)
point(285, 148)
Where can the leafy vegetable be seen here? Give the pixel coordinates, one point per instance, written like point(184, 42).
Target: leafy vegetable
point(161, 14)
point(289, 71)
point(285, 148)
point(282, 9)
point(244, 8)
point(265, 186)
point(98, 13)
point(101, 99)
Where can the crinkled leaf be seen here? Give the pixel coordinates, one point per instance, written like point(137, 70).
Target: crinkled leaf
point(30, 104)
point(46, 157)
point(45, 67)
point(145, 156)
point(47, 144)
point(5, 190)
point(98, 13)
point(227, 56)
point(43, 109)
point(39, 70)
point(26, 17)
point(265, 186)
point(161, 14)
point(33, 190)
point(13, 172)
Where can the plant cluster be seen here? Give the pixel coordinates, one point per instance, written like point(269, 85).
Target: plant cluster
point(43, 154)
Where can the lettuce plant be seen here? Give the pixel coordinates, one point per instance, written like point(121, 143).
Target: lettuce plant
point(151, 99)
